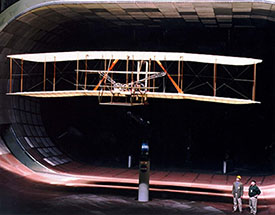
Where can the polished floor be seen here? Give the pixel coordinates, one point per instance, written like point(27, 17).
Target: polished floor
point(78, 189)
point(20, 196)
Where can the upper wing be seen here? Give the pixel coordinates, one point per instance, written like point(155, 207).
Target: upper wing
point(131, 55)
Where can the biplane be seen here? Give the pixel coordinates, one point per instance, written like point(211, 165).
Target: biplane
point(139, 76)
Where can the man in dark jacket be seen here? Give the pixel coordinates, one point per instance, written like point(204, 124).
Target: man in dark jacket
point(253, 193)
point(237, 191)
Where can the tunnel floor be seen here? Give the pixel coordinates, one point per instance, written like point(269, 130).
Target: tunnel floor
point(20, 196)
point(101, 190)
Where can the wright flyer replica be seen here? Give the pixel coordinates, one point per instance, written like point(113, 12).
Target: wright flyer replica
point(132, 77)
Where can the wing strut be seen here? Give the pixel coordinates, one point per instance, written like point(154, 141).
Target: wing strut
point(44, 75)
point(215, 80)
point(171, 79)
point(86, 67)
point(21, 79)
point(54, 73)
point(106, 74)
point(254, 84)
point(11, 75)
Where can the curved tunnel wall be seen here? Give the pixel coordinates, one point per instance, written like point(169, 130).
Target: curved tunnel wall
point(29, 26)
point(27, 137)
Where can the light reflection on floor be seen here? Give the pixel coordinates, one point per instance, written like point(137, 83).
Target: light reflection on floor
point(108, 178)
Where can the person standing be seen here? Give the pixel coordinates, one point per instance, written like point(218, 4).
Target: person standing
point(237, 191)
point(253, 193)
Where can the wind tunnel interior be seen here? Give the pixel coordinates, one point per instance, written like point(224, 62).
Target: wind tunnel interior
point(183, 135)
